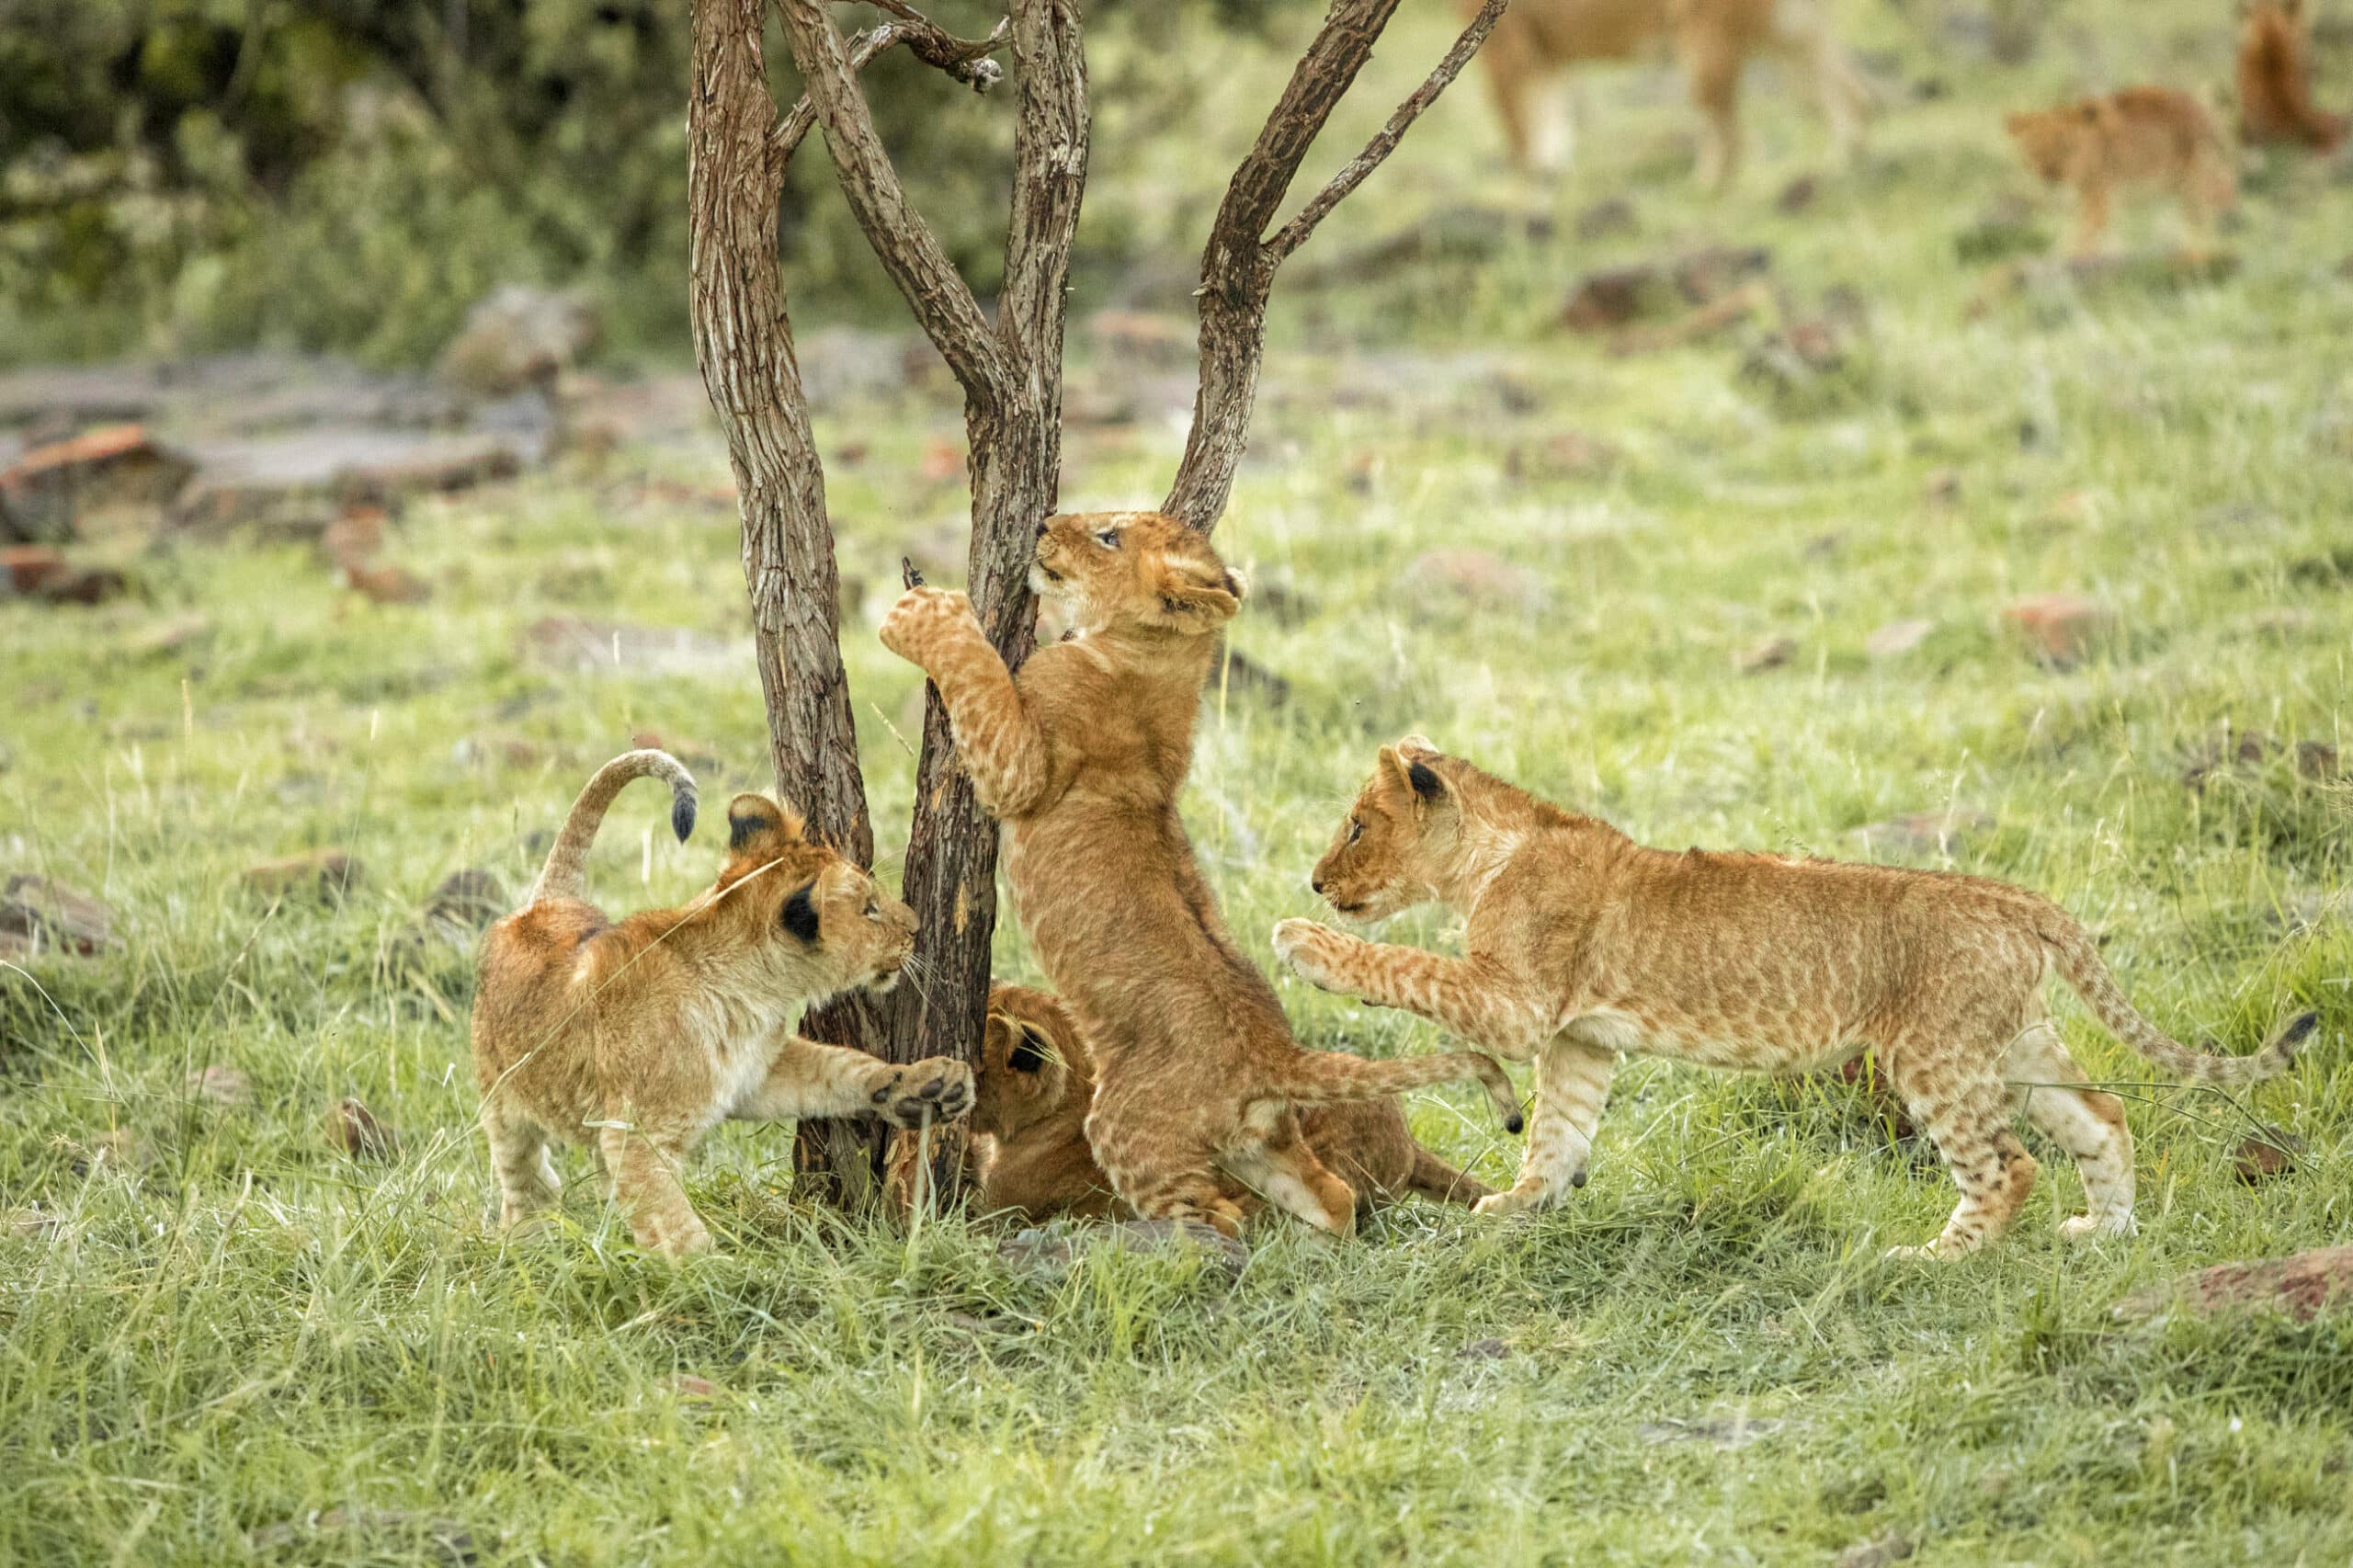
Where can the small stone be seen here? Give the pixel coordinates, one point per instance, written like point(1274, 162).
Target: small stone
point(2059, 627)
point(686, 1385)
point(1924, 833)
point(1483, 1350)
point(27, 569)
point(1769, 654)
point(386, 584)
point(75, 488)
point(1877, 1553)
point(354, 1129)
point(357, 535)
point(2265, 1155)
point(1476, 580)
point(1611, 216)
point(328, 875)
point(1897, 638)
point(468, 901)
point(221, 1086)
point(2298, 1284)
point(517, 337)
point(50, 916)
point(1798, 196)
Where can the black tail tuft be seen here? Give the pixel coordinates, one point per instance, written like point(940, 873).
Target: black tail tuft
point(2294, 1034)
point(682, 815)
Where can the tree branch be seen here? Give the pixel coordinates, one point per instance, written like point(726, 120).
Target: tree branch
point(1238, 265)
point(910, 253)
point(1049, 148)
point(1294, 234)
point(964, 60)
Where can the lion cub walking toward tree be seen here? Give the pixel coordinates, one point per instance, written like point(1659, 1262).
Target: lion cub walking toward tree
point(1081, 755)
point(2142, 136)
point(1581, 943)
point(638, 1039)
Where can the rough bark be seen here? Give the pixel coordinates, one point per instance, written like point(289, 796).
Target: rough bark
point(1239, 263)
point(744, 345)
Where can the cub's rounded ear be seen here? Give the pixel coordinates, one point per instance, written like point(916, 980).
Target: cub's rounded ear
point(1418, 743)
point(1029, 1051)
point(1424, 779)
point(754, 820)
point(1198, 594)
point(1237, 584)
point(800, 915)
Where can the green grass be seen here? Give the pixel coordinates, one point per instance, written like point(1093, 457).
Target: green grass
point(210, 1324)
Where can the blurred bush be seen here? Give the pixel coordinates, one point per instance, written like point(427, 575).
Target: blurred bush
point(178, 175)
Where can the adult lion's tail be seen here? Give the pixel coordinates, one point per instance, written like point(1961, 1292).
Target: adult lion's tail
point(560, 877)
point(1334, 1077)
point(2080, 962)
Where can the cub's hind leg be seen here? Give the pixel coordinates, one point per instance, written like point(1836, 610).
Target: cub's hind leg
point(1571, 1086)
point(519, 1156)
point(1951, 1086)
point(2045, 1083)
point(644, 1171)
point(1278, 1166)
point(1158, 1163)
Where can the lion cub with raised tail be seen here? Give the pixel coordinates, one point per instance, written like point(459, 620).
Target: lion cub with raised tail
point(1083, 755)
point(1036, 1081)
point(637, 1038)
point(1581, 944)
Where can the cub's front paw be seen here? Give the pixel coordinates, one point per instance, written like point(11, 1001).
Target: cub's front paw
point(934, 1087)
point(1311, 950)
point(916, 622)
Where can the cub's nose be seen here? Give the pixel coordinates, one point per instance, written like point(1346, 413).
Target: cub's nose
point(1315, 882)
point(1041, 530)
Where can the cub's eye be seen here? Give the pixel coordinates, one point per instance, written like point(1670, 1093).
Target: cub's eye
point(1355, 829)
point(1108, 539)
point(873, 910)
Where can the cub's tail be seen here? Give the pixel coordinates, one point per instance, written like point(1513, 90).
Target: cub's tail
point(2080, 962)
point(1334, 1077)
point(1434, 1178)
point(560, 877)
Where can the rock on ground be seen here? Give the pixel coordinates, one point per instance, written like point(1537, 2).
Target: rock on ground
point(2298, 1285)
point(50, 916)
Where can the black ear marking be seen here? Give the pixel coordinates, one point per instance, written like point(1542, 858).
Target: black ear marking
point(741, 826)
point(1029, 1053)
point(800, 915)
point(1425, 780)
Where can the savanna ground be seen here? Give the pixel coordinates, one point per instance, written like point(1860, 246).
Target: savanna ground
point(215, 1325)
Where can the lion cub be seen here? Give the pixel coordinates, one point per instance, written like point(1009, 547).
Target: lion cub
point(2276, 77)
point(1713, 40)
point(2143, 136)
point(1030, 1102)
point(1581, 944)
point(637, 1038)
point(1081, 755)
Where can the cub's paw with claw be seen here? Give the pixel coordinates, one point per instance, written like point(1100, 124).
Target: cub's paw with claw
point(935, 1087)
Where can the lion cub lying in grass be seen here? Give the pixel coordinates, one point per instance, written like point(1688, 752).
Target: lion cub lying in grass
point(1581, 944)
point(1029, 1104)
point(2142, 136)
point(637, 1038)
point(1081, 755)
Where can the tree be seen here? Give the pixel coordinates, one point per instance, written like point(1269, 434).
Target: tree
point(1010, 371)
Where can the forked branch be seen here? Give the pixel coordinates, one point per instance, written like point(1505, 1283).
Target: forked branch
point(964, 60)
point(1238, 265)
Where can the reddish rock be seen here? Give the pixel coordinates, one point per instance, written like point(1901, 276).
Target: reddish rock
point(27, 569)
point(686, 1385)
point(48, 916)
point(327, 875)
point(2298, 1285)
point(386, 584)
point(88, 585)
point(1897, 638)
point(2317, 760)
point(354, 1129)
point(1769, 654)
point(357, 535)
point(2262, 1156)
point(2059, 627)
point(67, 488)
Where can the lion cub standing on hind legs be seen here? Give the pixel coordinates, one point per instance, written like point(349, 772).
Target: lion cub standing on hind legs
point(1581, 944)
point(637, 1038)
point(1082, 754)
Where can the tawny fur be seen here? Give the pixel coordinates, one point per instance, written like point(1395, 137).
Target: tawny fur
point(1580, 944)
point(1083, 755)
point(1536, 41)
point(636, 1039)
point(2139, 137)
point(2275, 80)
point(1036, 1081)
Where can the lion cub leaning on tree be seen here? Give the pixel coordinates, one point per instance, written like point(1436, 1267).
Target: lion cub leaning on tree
point(1036, 1081)
point(1581, 943)
point(2141, 136)
point(1081, 755)
point(637, 1038)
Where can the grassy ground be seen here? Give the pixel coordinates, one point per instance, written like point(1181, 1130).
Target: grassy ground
point(211, 1326)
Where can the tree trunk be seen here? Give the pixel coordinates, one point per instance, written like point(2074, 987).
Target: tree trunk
point(744, 346)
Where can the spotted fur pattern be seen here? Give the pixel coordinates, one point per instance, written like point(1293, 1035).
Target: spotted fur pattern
point(636, 1039)
point(1580, 944)
point(1083, 755)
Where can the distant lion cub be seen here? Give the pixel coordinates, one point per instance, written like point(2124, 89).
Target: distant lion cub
point(1581, 943)
point(638, 1039)
point(2142, 136)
